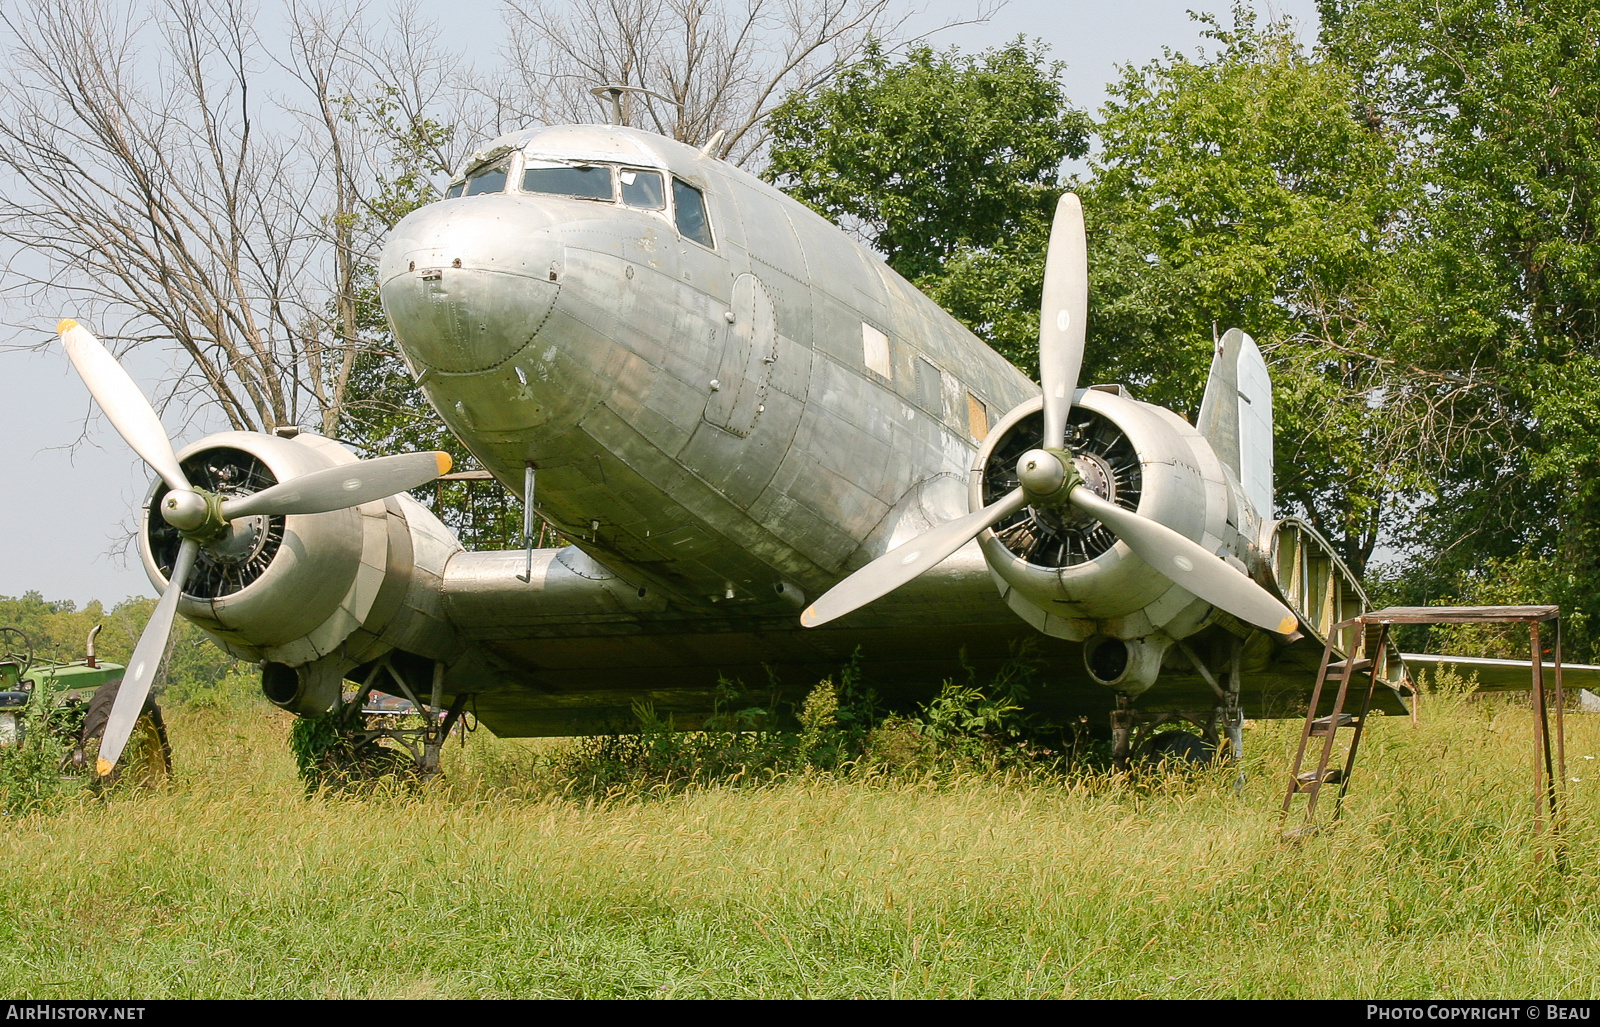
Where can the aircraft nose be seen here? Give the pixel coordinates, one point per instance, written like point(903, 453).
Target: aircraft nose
point(467, 283)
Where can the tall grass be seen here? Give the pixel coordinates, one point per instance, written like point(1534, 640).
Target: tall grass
point(508, 880)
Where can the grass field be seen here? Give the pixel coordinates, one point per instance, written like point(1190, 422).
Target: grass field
point(231, 883)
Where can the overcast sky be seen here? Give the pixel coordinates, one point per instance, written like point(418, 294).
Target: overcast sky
point(64, 508)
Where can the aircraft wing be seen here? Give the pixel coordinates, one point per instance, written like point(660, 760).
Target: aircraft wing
point(1501, 675)
point(572, 649)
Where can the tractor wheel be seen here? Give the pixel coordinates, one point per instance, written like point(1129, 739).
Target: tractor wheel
point(147, 759)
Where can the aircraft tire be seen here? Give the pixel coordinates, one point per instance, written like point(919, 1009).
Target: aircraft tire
point(1179, 748)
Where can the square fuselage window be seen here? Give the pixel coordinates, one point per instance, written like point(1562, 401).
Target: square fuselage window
point(977, 418)
point(875, 350)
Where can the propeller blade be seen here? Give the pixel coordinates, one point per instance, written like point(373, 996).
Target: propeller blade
point(904, 562)
point(124, 404)
point(146, 660)
point(1189, 564)
point(1063, 316)
point(339, 487)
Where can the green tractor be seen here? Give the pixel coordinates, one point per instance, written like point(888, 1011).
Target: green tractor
point(72, 701)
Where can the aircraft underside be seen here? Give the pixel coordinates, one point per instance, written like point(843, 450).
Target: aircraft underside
point(562, 660)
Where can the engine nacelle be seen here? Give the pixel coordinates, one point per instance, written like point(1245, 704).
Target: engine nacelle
point(307, 596)
point(1067, 574)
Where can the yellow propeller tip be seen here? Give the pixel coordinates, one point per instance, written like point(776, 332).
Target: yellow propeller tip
point(444, 462)
point(102, 766)
point(1287, 626)
point(809, 618)
point(67, 324)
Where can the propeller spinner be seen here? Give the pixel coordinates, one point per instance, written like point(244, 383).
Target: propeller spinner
point(203, 517)
point(1049, 479)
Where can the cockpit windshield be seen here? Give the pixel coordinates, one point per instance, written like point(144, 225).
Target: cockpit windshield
point(584, 182)
point(489, 179)
point(642, 189)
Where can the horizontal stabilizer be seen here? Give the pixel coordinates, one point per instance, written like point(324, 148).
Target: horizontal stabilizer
point(1501, 675)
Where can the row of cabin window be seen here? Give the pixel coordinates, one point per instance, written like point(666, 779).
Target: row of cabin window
point(637, 187)
point(643, 189)
point(929, 382)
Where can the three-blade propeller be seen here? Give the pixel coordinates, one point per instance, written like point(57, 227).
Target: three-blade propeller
point(203, 517)
point(1050, 479)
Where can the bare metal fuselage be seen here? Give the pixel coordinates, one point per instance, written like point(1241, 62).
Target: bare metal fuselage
point(705, 425)
point(708, 407)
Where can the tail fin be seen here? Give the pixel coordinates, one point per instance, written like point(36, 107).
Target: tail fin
point(1236, 416)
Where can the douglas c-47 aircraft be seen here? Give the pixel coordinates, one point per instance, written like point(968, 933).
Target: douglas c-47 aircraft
point(768, 451)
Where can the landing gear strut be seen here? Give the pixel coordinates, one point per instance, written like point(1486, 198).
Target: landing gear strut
point(346, 745)
point(1133, 731)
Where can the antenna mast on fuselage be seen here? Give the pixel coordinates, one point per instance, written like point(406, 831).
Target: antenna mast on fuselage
point(614, 94)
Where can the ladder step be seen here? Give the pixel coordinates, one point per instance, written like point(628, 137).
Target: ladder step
point(1304, 780)
point(1323, 726)
point(1309, 782)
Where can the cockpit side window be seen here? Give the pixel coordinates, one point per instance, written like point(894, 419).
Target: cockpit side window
point(490, 179)
point(454, 191)
point(590, 182)
point(689, 208)
point(642, 189)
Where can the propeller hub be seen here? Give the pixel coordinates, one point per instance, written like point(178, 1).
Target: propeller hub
point(241, 542)
point(197, 513)
point(183, 509)
point(1046, 475)
point(1098, 478)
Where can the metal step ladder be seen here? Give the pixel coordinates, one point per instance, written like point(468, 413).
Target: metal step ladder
point(1368, 659)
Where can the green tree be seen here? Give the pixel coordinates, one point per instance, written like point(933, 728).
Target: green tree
point(949, 166)
point(1496, 105)
point(58, 629)
point(1246, 188)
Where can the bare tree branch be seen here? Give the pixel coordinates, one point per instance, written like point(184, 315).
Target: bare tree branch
point(160, 191)
point(725, 64)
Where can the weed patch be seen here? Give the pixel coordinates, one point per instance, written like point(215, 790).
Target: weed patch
point(31, 762)
point(899, 871)
point(842, 730)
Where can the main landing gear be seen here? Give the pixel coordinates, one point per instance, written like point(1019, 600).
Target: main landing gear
point(1134, 734)
point(375, 732)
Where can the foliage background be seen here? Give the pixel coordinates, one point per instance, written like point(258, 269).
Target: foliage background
point(1403, 215)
